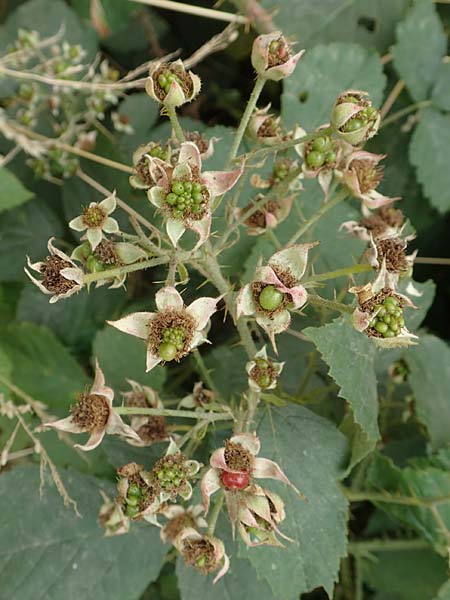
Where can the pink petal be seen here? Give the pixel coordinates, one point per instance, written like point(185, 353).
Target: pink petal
point(279, 323)
point(134, 324)
point(223, 570)
point(116, 426)
point(190, 153)
point(202, 309)
point(375, 200)
point(202, 228)
point(94, 440)
point(294, 258)
point(210, 483)
point(168, 299)
point(219, 182)
point(66, 424)
point(264, 468)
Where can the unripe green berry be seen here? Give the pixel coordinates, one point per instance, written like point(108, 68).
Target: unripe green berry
point(131, 511)
point(320, 144)
point(133, 490)
point(315, 159)
point(171, 198)
point(264, 380)
point(132, 500)
point(381, 327)
point(178, 188)
point(167, 351)
point(270, 298)
point(353, 125)
point(330, 157)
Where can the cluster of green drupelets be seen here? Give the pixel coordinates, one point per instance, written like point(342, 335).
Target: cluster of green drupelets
point(170, 477)
point(166, 79)
point(321, 153)
point(389, 318)
point(133, 500)
point(270, 298)
point(278, 49)
point(281, 170)
point(360, 120)
point(186, 197)
point(159, 152)
point(264, 375)
point(57, 163)
point(172, 343)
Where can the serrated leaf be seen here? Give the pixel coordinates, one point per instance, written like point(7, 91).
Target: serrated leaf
point(421, 44)
point(441, 90)
point(58, 555)
point(427, 486)
point(429, 377)
point(428, 153)
point(122, 357)
point(312, 453)
point(350, 356)
point(413, 575)
point(12, 192)
point(42, 366)
point(323, 73)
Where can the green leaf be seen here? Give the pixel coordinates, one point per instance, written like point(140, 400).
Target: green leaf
point(421, 44)
point(429, 377)
point(405, 575)
point(142, 113)
point(350, 356)
point(58, 555)
point(122, 357)
point(227, 366)
point(441, 89)
point(311, 451)
point(425, 485)
point(428, 153)
point(363, 21)
point(42, 366)
point(323, 73)
point(444, 592)
point(25, 231)
point(12, 192)
point(423, 300)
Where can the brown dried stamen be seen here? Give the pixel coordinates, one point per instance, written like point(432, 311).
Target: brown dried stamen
point(154, 430)
point(285, 276)
point(393, 252)
point(170, 319)
point(368, 305)
point(258, 218)
point(93, 216)
point(106, 253)
point(143, 172)
point(237, 457)
point(199, 140)
point(200, 554)
point(91, 412)
point(279, 53)
point(263, 371)
point(369, 176)
point(53, 281)
point(201, 395)
point(176, 525)
point(136, 399)
point(393, 216)
point(269, 128)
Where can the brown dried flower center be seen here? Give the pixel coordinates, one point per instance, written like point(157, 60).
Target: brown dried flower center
point(258, 218)
point(181, 77)
point(53, 281)
point(199, 140)
point(176, 525)
point(368, 305)
point(153, 430)
point(148, 491)
point(269, 128)
point(170, 320)
point(264, 369)
point(285, 276)
point(279, 53)
point(143, 172)
point(201, 395)
point(136, 399)
point(369, 176)
point(392, 251)
point(91, 412)
point(106, 253)
point(200, 554)
point(93, 216)
point(237, 457)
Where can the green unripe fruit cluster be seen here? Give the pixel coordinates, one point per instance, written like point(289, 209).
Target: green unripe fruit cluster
point(321, 153)
point(133, 500)
point(264, 378)
point(280, 170)
point(270, 298)
point(186, 197)
point(389, 318)
point(170, 477)
point(158, 152)
point(166, 79)
point(26, 91)
point(362, 119)
point(172, 343)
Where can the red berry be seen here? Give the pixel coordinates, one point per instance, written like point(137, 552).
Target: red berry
point(235, 481)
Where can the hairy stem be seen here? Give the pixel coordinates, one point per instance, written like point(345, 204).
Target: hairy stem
point(177, 129)
point(117, 272)
point(215, 513)
point(405, 111)
point(203, 371)
point(259, 18)
point(169, 412)
point(344, 272)
point(251, 104)
point(331, 304)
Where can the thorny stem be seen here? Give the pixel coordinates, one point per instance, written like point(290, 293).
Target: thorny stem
point(331, 304)
point(203, 371)
point(169, 412)
point(117, 272)
point(251, 104)
point(339, 197)
point(215, 514)
point(405, 111)
point(177, 129)
point(253, 398)
point(259, 18)
point(346, 271)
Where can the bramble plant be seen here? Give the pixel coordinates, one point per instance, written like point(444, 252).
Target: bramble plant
point(233, 296)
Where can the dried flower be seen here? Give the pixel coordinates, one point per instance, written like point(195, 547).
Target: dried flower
point(171, 85)
point(201, 398)
point(111, 517)
point(353, 117)
point(138, 493)
point(173, 331)
point(93, 413)
point(268, 216)
point(387, 222)
point(264, 127)
point(60, 276)
point(146, 171)
point(276, 288)
point(272, 56)
point(96, 220)
point(121, 123)
point(179, 519)
point(184, 194)
point(205, 553)
point(205, 146)
point(262, 372)
point(172, 473)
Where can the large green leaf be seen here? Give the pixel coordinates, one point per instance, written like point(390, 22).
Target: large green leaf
point(363, 21)
point(429, 365)
point(12, 192)
point(42, 366)
point(350, 356)
point(441, 90)
point(312, 452)
point(428, 153)
point(421, 44)
point(59, 555)
point(25, 231)
point(323, 73)
point(227, 366)
point(122, 357)
point(425, 487)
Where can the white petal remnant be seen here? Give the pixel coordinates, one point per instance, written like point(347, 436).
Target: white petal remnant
point(95, 220)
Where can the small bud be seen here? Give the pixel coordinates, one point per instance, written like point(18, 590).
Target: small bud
point(272, 56)
point(353, 118)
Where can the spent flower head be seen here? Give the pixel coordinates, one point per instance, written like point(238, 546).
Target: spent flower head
point(146, 171)
point(262, 372)
point(203, 552)
point(171, 85)
point(264, 127)
point(96, 221)
point(353, 117)
point(272, 56)
point(179, 519)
